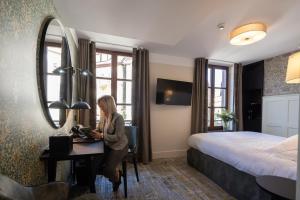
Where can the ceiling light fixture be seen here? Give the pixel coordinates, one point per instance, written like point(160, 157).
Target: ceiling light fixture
point(248, 34)
point(221, 26)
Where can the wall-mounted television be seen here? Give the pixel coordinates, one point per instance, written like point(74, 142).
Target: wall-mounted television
point(171, 92)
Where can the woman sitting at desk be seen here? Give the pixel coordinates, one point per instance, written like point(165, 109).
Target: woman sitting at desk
point(111, 130)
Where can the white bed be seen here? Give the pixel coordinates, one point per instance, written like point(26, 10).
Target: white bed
point(251, 152)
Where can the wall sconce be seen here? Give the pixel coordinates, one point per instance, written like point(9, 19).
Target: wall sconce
point(62, 103)
point(80, 105)
point(293, 69)
point(63, 70)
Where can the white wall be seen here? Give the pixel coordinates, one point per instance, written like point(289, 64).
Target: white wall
point(170, 125)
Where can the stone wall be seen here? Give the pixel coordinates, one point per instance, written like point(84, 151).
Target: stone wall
point(274, 80)
point(24, 130)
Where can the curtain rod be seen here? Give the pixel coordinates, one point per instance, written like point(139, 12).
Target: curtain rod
point(211, 59)
point(120, 45)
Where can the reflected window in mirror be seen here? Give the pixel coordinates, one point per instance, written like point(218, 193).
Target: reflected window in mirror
point(55, 88)
point(53, 80)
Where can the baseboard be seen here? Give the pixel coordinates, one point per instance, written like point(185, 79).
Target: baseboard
point(169, 154)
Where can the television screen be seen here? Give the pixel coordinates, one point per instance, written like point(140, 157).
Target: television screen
point(172, 92)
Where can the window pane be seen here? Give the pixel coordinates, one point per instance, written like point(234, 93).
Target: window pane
point(97, 114)
point(220, 98)
point(103, 65)
point(53, 88)
point(218, 123)
point(103, 87)
point(209, 77)
point(124, 89)
point(220, 78)
point(54, 114)
point(128, 123)
point(53, 58)
point(217, 111)
point(124, 67)
point(209, 97)
point(125, 111)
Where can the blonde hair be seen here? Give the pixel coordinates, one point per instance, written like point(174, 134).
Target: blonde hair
point(110, 105)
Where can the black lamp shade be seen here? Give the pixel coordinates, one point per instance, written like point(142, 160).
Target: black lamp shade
point(59, 105)
point(81, 105)
point(85, 72)
point(59, 70)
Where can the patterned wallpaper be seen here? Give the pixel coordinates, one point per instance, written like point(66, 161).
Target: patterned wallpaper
point(24, 130)
point(274, 80)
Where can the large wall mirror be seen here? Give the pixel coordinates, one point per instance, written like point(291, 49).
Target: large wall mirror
point(54, 72)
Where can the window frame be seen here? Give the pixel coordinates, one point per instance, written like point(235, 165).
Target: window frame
point(212, 87)
point(57, 45)
point(114, 76)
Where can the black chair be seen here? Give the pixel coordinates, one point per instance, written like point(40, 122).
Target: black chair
point(131, 132)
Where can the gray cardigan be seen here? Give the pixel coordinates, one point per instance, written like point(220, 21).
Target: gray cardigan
point(115, 137)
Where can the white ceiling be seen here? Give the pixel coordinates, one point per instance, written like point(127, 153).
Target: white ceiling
point(186, 28)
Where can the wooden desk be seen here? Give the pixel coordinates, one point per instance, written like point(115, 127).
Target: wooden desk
point(80, 151)
point(279, 187)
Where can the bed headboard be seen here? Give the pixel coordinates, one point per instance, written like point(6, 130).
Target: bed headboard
point(281, 115)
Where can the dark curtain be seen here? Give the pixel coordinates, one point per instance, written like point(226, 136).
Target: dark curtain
point(199, 97)
point(86, 85)
point(66, 80)
point(141, 103)
point(238, 96)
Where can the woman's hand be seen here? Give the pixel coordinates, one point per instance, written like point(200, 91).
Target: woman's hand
point(96, 134)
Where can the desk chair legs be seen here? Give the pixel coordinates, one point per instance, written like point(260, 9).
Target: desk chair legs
point(135, 168)
point(124, 169)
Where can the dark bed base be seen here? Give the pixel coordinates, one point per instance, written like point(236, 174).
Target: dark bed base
point(237, 183)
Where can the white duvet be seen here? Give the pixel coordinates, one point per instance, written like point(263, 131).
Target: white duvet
point(251, 152)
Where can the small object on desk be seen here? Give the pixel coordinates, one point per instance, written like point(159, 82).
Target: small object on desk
point(80, 131)
point(60, 144)
point(85, 140)
point(279, 187)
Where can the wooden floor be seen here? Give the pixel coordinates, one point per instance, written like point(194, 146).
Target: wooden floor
point(164, 179)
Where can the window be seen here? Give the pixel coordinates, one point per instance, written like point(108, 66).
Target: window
point(217, 95)
point(114, 77)
point(53, 80)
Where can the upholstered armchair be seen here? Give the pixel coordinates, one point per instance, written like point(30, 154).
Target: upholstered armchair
point(11, 190)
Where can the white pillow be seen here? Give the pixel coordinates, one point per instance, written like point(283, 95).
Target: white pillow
point(287, 149)
point(291, 143)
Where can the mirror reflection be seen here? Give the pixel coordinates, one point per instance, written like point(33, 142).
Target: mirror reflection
point(56, 76)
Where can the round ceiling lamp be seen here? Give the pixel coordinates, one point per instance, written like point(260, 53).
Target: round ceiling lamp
point(248, 34)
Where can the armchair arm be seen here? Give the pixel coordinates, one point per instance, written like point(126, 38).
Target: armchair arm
point(51, 191)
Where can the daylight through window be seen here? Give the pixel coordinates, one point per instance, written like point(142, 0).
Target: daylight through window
point(217, 95)
point(114, 77)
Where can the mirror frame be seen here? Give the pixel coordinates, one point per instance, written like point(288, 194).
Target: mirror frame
point(40, 68)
